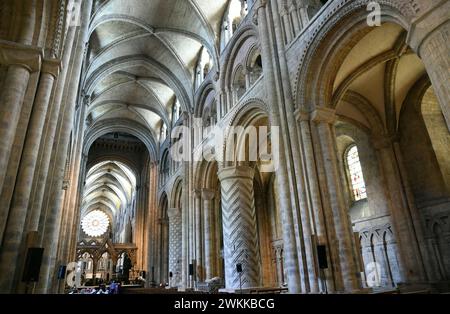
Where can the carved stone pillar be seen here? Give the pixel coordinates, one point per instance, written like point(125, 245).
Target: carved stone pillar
point(239, 227)
point(208, 218)
point(175, 240)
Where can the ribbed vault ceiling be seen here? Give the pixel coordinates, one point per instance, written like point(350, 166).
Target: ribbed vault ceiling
point(110, 186)
point(143, 56)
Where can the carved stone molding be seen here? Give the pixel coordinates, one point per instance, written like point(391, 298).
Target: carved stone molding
point(29, 57)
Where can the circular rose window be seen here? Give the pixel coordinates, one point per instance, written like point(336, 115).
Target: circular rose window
point(95, 223)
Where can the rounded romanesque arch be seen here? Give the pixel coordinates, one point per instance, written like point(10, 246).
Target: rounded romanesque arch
point(330, 41)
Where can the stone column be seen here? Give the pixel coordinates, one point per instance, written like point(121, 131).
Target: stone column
point(324, 119)
point(21, 60)
point(405, 227)
point(208, 216)
point(239, 227)
point(198, 271)
point(175, 240)
point(19, 205)
point(312, 181)
point(429, 36)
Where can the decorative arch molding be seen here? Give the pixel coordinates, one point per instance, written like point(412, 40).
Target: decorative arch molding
point(176, 194)
point(332, 38)
point(104, 127)
point(253, 104)
point(243, 115)
point(239, 38)
point(125, 62)
point(201, 97)
point(365, 107)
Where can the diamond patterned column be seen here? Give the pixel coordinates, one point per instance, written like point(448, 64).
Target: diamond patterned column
point(175, 241)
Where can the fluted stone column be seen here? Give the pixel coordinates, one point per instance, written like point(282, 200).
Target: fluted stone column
point(429, 36)
point(175, 240)
point(239, 227)
point(208, 216)
point(324, 119)
point(19, 204)
point(21, 61)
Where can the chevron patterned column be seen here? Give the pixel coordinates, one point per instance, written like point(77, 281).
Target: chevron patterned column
point(239, 227)
point(175, 241)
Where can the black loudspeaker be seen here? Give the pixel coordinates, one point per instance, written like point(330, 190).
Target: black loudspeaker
point(143, 274)
point(239, 268)
point(170, 274)
point(33, 265)
point(191, 269)
point(62, 272)
point(322, 256)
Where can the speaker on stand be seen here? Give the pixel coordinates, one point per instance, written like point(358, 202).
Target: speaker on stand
point(239, 271)
point(323, 264)
point(32, 266)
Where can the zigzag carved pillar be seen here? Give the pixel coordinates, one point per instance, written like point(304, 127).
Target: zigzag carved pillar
point(208, 213)
point(239, 227)
point(175, 240)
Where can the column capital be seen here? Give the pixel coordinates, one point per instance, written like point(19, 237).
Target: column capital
point(259, 4)
point(51, 66)
point(323, 115)
point(29, 57)
point(208, 194)
point(197, 193)
point(173, 212)
point(423, 26)
point(242, 172)
point(302, 115)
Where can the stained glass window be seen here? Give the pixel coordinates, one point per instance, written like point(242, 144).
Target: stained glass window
point(358, 185)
